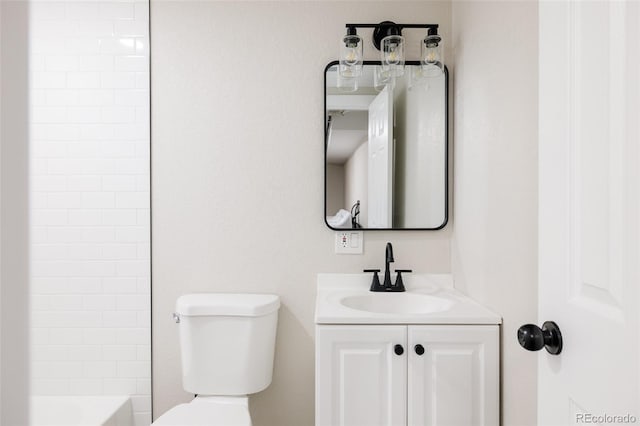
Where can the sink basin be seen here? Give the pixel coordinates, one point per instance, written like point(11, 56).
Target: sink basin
point(429, 299)
point(396, 303)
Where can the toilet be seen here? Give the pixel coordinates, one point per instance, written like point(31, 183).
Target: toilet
point(227, 343)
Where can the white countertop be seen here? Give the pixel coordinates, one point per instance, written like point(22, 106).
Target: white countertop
point(332, 288)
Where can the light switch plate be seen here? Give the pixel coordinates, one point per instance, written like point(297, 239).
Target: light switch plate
point(349, 242)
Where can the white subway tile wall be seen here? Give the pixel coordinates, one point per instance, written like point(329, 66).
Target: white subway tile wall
point(90, 200)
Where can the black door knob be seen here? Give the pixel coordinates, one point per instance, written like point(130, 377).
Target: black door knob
point(533, 338)
point(419, 349)
point(398, 349)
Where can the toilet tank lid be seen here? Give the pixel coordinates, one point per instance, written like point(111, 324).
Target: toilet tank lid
point(227, 304)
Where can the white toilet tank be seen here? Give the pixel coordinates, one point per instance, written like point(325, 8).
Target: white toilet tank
point(227, 342)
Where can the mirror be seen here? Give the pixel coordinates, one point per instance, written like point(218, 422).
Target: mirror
point(386, 149)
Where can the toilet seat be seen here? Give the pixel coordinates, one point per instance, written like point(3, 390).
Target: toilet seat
point(208, 411)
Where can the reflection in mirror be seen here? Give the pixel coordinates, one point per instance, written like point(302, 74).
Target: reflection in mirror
point(386, 149)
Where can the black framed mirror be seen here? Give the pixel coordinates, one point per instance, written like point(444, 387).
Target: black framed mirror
point(386, 149)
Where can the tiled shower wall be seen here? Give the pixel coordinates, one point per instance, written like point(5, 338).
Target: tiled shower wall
point(90, 228)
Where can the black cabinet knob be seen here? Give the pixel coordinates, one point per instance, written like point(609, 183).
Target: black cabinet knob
point(398, 349)
point(419, 349)
point(533, 338)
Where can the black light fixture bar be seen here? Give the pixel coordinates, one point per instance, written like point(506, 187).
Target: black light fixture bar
point(386, 28)
point(400, 26)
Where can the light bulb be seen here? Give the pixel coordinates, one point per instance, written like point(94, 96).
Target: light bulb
point(431, 56)
point(392, 56)
point(352, 56)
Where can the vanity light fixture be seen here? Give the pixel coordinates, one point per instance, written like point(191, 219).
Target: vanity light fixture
point(351, 54)
point(392, 55)
point(388, 39)
point(432, 57)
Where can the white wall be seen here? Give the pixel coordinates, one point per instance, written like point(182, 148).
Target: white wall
point(14, 319)
point(420, 164)
point(90, 298)
point(356, 186)
point(494, 247)
point(238, 174)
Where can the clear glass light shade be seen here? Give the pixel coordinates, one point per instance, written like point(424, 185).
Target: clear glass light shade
point(432, 56)
point(351, 56)
point(347, 84)
point(416, 79)
point(380, 78)
point(392, 55)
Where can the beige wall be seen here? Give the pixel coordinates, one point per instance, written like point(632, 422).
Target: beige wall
point(237, 198)
point(238, 177)
point(494, 247)
point(335, 189)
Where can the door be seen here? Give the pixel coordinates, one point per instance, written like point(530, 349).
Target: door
point(589, 220)
point(453, 375)
point(363, 380)
point(380, 207)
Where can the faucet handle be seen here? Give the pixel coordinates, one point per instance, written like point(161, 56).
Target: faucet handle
point(399, 283)
point(375, 283)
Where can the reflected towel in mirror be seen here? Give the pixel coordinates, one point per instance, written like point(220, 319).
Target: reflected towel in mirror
point(342, 219)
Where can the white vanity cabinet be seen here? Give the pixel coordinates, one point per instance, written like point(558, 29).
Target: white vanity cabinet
point(378, 375)
point(456, 380)
point(359, 378)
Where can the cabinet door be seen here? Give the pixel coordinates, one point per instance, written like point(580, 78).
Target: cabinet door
point(455, 382)
point(360, 380)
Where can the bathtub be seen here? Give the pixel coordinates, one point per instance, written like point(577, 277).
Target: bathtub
point(81, 411)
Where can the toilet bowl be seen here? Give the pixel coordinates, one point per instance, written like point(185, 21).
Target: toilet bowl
point(207, 411)
point(227, 345)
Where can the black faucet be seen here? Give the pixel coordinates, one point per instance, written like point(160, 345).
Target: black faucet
point(386, 285)
point(388, 258)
